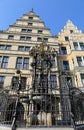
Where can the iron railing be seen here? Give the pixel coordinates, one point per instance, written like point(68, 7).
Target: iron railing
point(28, 108)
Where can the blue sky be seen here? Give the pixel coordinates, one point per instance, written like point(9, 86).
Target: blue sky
point(54, 13)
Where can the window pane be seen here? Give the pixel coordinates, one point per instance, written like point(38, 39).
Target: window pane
point(39, 31)
point(28, 38)
point(45, 39)
point(82, 46)
point(22, 38)
point(69, 82)
point(71, 31)
point(10, 37)
point(76, 47)
point(5, 62)
point(65, 65)
point(0, 59)
point(2, 47)
point(79, 61)
point(82, 79)
point(29, 24)
point(26, 60)
point(8, 47)
point(15, 81)
point(19, 60)
point(30, 18)
point(39, 39)
point(1, 81)
point(24, 30)
point(63, 50)
point(21, 48)
point(23, 83)
point(5, 59)
point(26, 63)
point(27, 48)
point(19, 63)
point(53, 61)
point(29, 31)
point(53, 81)
point(66, 38)
point(25, 66)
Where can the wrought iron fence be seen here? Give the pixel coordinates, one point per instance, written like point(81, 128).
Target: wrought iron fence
point(28, 108)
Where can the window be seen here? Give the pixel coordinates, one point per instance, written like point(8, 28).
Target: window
point(2, 47)
point(22, 38)
point(71, 31)
point(21, 48)
point(8, 47)
point(5, 47)
point(29, 31)
point(30, 18)
point(39, 39)
point(69, 82)
point(28, 38)
point(0, 60)
point(82, 79)
point(27, 48)
point(45, 39)
point(53, 61)
point(10, 37)
point(24, 30)
point(53, 81)
point(26, 63)
point(22, 63)
point(30, 24)
point(25, 38)
point(1, 81)
point(81, 46)
point(15, 81)
point(80, 61)
point(5, 62)
point(66, 38)
point(63, 50)
point(76, 47)
point(39, 31)
point(19, 63)
point(65, 65)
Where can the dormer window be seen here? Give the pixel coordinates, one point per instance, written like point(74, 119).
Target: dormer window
point(71, 31)
point(39, 39)
point(24, 30)
point(30, 18)
point(66, 38)
point(45, 39)
point(22, 38)
point(28, 38)
point(10, 37)
point(29, 31)
point(39, 31)
point(29, 24)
